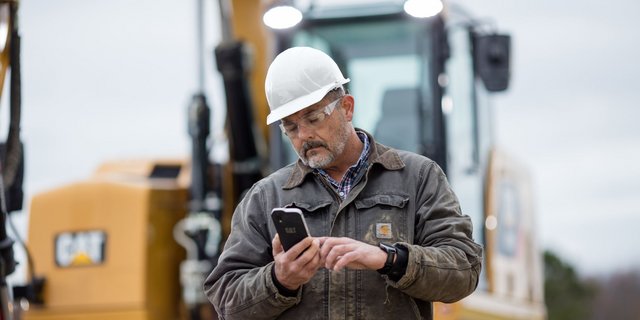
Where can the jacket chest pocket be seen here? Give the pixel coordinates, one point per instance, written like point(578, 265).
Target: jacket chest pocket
point(382, 218)
point(316, 215)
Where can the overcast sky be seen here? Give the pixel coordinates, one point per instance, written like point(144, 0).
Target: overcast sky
point(112, 79)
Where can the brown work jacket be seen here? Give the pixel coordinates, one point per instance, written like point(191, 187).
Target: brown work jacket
point(403, 198)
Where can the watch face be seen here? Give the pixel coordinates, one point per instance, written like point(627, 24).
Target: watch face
point(387, 247)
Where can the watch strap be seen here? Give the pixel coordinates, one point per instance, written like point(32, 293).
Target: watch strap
point(391, 254)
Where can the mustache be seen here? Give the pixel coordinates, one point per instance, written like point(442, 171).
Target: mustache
point(312, 144)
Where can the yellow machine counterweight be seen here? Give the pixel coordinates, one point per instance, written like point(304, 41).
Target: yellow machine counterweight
point(105, 245)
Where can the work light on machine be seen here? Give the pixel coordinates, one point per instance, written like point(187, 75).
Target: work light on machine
point(423, 8)
point(282, 15)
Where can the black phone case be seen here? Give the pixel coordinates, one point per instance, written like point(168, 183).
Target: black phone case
point(290, 226)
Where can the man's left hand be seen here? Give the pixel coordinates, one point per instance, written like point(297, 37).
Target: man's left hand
point(339, 253)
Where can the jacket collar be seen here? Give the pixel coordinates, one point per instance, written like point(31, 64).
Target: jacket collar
point(379, 154)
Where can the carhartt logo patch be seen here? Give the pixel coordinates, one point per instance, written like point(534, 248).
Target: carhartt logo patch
point(383, 231)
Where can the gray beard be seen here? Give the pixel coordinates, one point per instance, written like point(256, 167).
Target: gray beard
point(323, 161)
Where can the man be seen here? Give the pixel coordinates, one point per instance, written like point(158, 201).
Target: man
point(387, 234)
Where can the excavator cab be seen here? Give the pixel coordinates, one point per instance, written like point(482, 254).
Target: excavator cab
point(398, 67)
point(393, 63)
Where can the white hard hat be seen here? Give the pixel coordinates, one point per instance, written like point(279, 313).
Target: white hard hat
point(297, 78)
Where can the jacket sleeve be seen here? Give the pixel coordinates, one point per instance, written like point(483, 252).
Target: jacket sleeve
point(241, 286)
point(444, 262)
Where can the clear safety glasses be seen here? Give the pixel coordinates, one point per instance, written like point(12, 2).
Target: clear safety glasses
point(311, 120)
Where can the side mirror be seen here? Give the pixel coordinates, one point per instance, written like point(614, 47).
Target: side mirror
point(492, 59)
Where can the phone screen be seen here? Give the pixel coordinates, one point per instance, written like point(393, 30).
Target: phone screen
point(290, 224)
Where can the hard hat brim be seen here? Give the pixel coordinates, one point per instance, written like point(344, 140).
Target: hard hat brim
point(300, 103)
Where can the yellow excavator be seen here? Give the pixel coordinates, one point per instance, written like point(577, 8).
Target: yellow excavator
point(135, 240)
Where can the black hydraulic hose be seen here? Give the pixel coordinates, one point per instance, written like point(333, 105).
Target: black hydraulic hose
point(199, 129)
point(8, 168)
point(245, 161)
point(14, 147)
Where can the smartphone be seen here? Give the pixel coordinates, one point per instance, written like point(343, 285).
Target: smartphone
point(290, 225)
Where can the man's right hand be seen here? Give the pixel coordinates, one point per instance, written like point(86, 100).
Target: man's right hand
point(296, 266)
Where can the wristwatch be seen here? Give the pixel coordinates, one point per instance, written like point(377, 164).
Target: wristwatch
point(391, 254)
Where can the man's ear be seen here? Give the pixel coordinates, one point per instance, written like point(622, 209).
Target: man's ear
point(348, 107)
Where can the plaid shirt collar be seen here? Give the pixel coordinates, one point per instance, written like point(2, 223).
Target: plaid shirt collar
point(380, 155)
point(353, 174)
